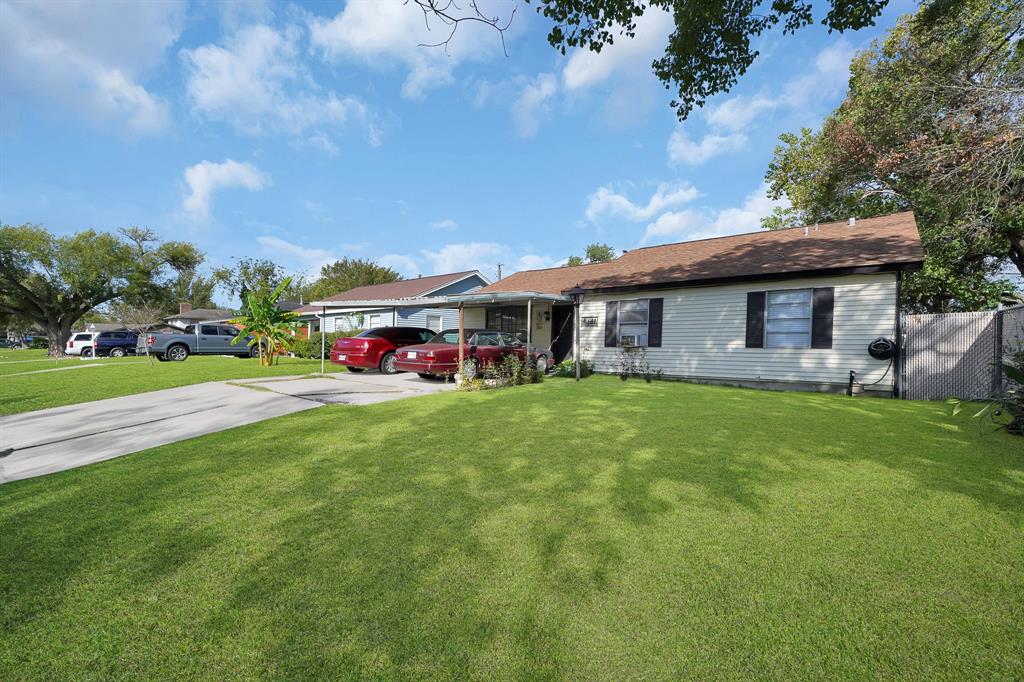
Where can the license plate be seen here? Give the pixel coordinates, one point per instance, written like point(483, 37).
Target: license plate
point(341, 356)
point(411, 355)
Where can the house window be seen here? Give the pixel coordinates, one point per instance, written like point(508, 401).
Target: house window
point(511, 319)
point(434, 322)
point(374, 322)
point(788, 319)
point(634, 318)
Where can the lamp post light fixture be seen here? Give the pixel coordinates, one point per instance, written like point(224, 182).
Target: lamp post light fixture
point(577, 295)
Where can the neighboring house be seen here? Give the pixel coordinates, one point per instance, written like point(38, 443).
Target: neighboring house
point(401, 304)
point(792, 308)
point(187, 315)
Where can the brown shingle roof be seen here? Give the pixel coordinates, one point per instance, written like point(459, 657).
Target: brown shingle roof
point(403, 288)
point(884, 241)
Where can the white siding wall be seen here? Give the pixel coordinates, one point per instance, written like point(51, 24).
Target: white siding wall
point(704, 331)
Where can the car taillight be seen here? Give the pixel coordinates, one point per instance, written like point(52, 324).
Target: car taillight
point(150, 340)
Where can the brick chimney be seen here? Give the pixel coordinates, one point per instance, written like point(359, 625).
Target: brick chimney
point(184, 308)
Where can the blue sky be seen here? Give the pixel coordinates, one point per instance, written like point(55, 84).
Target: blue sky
point(308, 132)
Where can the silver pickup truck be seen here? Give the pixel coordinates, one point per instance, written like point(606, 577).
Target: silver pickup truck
point(197, 339)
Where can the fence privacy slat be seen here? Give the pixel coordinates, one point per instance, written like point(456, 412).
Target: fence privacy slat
point(950, 355)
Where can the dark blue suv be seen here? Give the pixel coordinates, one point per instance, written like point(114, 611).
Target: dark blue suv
point(114, 344)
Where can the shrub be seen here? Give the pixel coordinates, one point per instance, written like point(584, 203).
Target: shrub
point(633, 363)
point(511, 371)
point(566, 368)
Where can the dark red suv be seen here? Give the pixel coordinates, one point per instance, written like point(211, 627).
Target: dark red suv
point(375, 348)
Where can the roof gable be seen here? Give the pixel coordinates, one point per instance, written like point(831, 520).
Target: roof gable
point(890, 240)
point(403, 288)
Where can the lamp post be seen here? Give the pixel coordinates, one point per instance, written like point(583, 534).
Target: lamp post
point(577, 295)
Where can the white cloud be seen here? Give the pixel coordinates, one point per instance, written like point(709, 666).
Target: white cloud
point(739, 112)
point(90, 57)
point(483, 256)
point(532, 103)
point(303, 257)
point(396, 33)
point(626, 56)
point(446, 225)
point(683, 150)
point(828, 78)
point(257, 82)
point(703, 224)
point(206, 177)
point(606, 202)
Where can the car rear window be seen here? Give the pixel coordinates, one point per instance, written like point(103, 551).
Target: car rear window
point(449, 336)
point(83, 337)
point(371, 333)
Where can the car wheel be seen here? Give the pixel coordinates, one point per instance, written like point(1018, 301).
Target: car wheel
point(254, 352)
point(387, 364)
point(357, 370)
point(542, 364)
point(117, 352)
point(177, 353)
point(87, 352)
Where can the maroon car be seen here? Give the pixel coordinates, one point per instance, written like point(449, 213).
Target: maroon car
point(375, 348)
point(440, 356)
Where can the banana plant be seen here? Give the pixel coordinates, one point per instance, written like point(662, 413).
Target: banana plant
point(264, 323)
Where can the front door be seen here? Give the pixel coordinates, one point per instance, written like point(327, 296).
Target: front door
point(561, 332)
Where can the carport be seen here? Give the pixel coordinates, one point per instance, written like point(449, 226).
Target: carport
point(464, 303)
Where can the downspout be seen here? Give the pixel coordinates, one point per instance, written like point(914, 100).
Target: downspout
point(323, 342)
point(576, 335)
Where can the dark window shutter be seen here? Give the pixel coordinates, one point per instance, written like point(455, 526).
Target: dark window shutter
point(755, 319)
point(822, 304)
point(654, 313)
point(611, 324)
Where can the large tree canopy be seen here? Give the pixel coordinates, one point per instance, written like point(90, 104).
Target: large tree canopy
point(349, 273)
point(52, 281)
point(710, 47)
point(594, 253)
point(933, 122)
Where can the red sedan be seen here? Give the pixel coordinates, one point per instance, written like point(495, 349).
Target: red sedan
point(375, 348)
point(440, 357)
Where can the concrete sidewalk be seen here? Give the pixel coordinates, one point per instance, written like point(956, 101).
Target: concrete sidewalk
point(62, 438)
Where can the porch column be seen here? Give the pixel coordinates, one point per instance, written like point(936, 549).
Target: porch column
point(529, 329)
point(462, 337)
point(323, 342)
point(394, 316)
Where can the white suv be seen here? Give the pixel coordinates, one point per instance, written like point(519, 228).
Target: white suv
point(80, 343)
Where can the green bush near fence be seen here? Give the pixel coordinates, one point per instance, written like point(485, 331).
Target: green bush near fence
point(310, 348)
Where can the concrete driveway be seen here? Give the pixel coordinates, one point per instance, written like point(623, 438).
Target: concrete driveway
point(62, 438)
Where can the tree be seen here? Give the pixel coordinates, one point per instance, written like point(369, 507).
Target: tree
point(595, 253)
point(349, 273)
point(272, 329)
point(139, 318)
point(933, 122)
point(257, 275)
point(53, 281)
point(710, 47)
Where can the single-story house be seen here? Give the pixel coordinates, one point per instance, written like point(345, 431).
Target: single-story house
point(400, 304)
point(187, 315)
point(794, 308)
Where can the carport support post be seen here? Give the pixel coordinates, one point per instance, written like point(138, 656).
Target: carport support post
point(529, 329)
point(462, 338)
point(323, 342)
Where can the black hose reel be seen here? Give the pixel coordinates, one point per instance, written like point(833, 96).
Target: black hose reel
point(882, 348)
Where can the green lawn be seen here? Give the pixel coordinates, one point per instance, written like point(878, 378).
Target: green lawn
point(593, 531)
point(24, 388)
